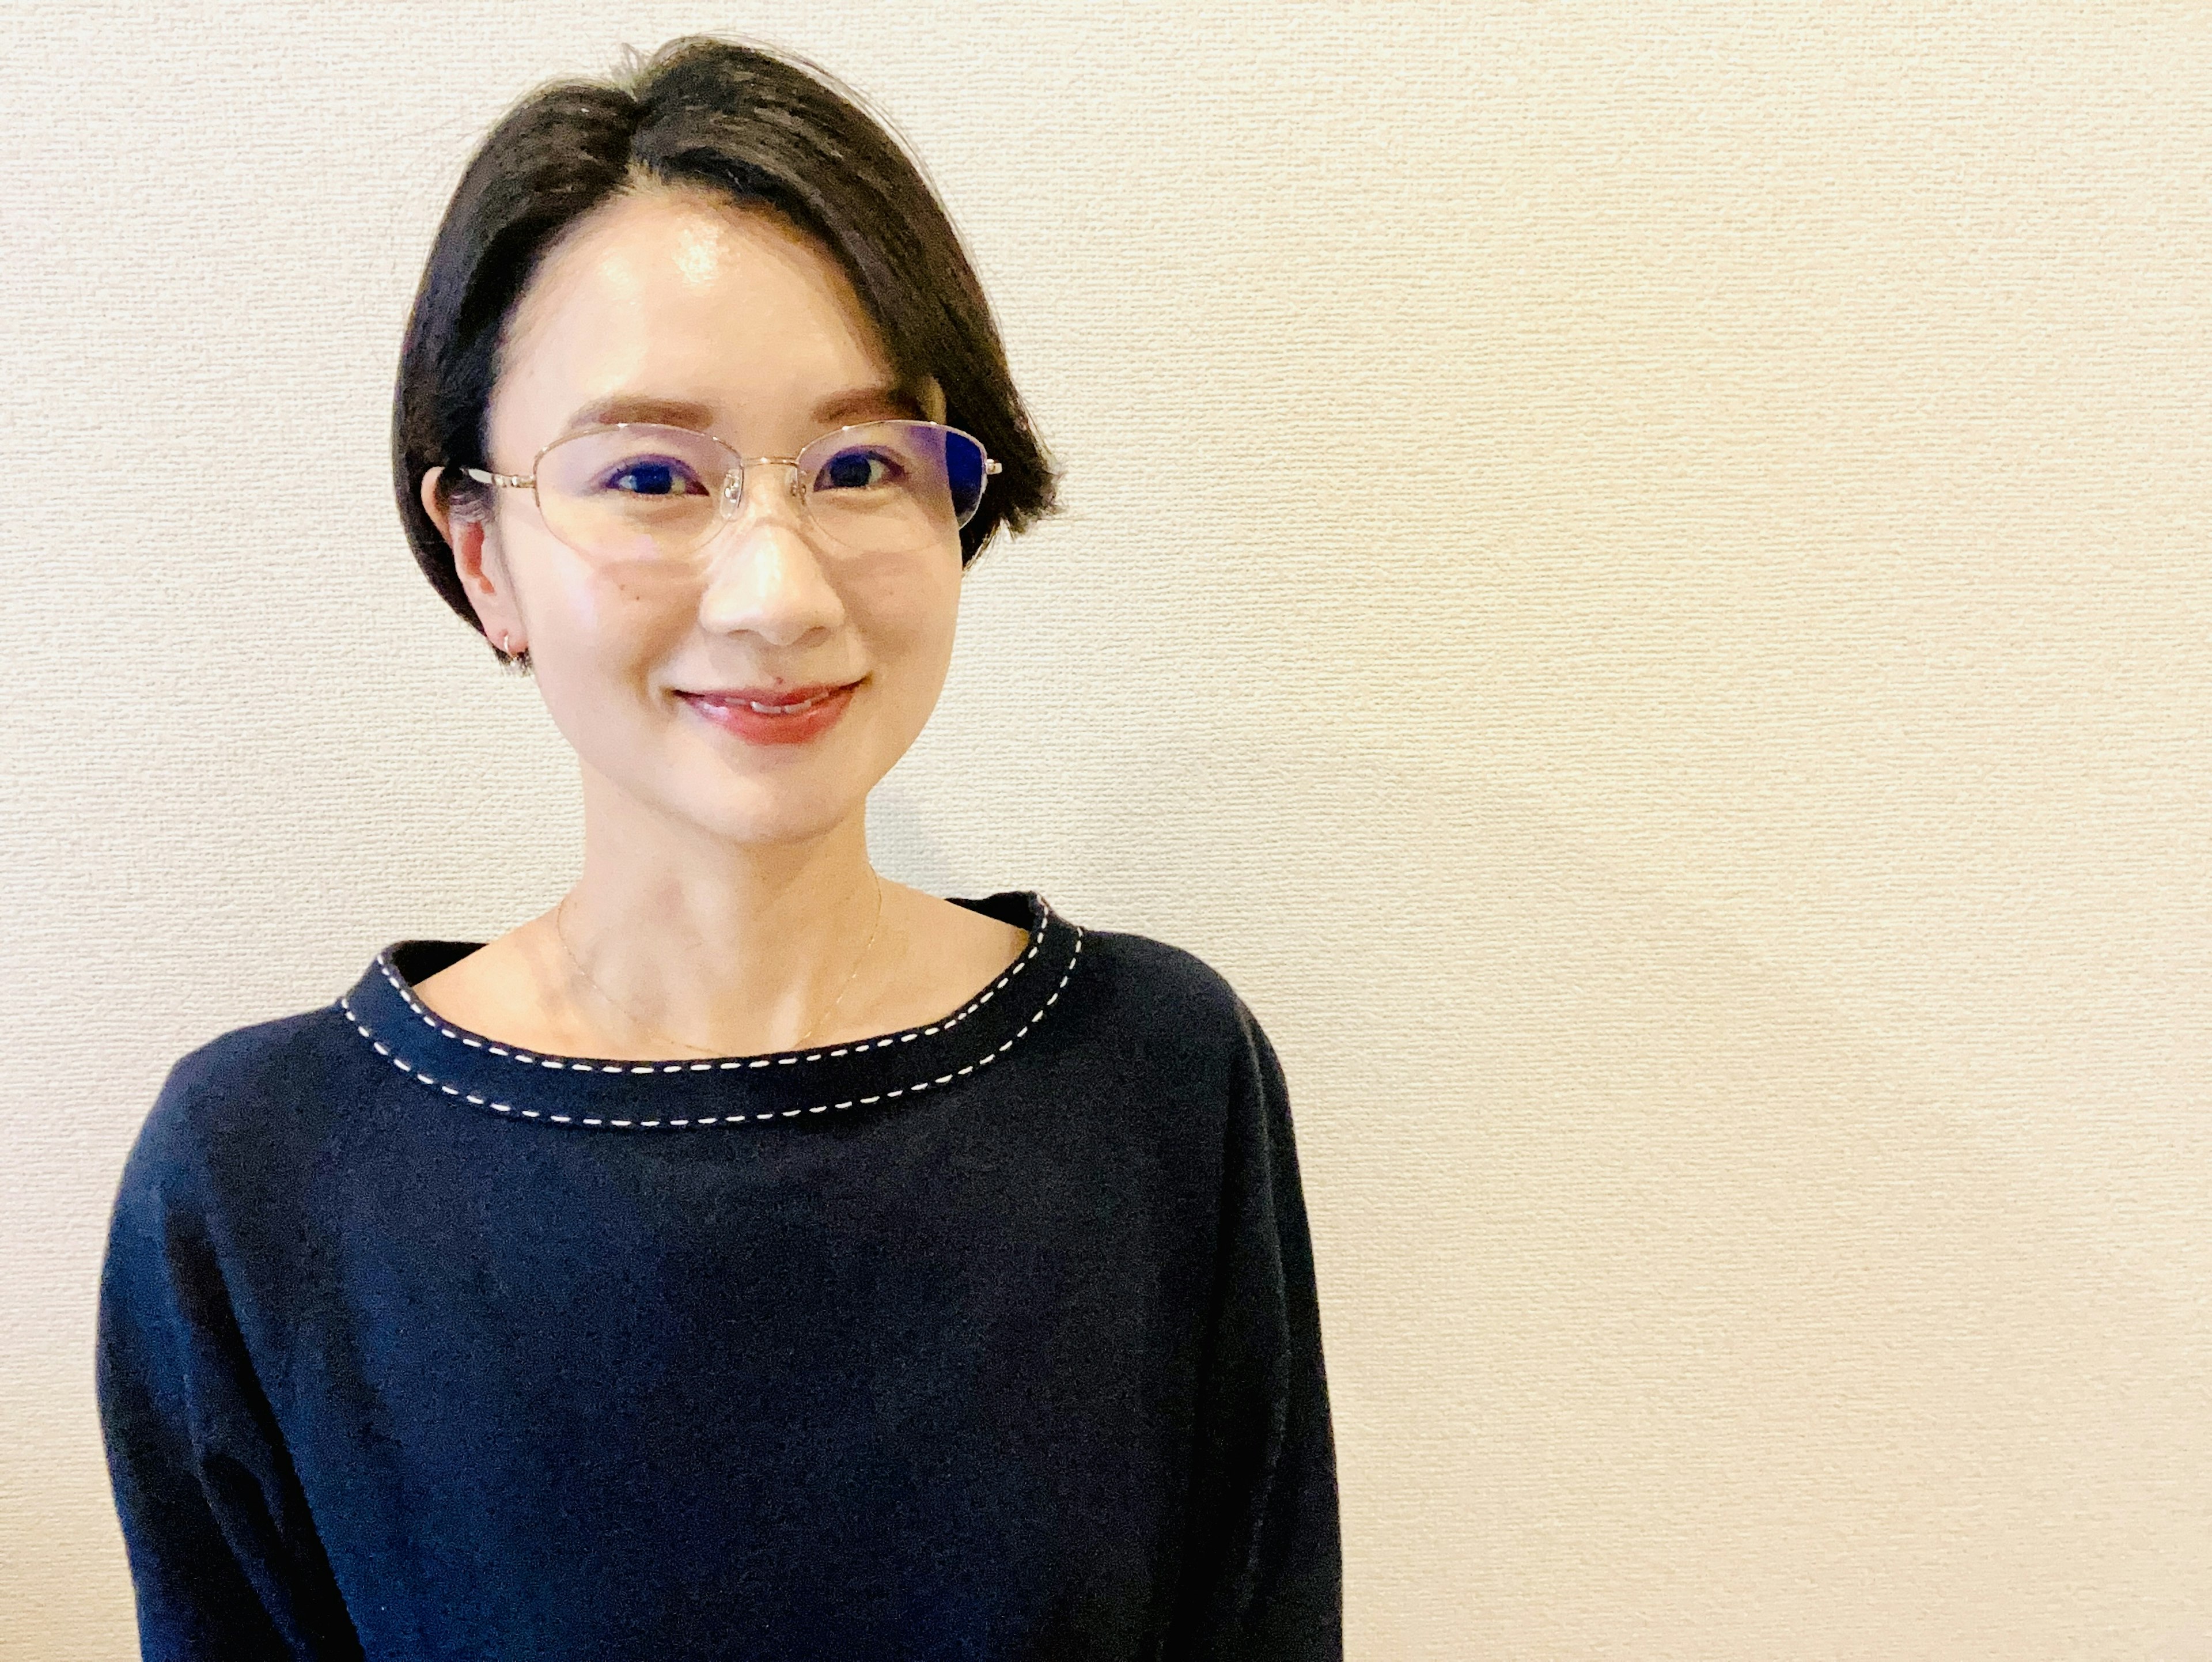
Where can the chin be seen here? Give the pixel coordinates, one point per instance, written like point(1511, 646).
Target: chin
point(745, 795)
point(769, 811)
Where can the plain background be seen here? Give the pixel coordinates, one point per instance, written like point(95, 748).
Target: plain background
point(1635, 576)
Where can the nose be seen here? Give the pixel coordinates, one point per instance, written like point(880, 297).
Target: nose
point(764, 573)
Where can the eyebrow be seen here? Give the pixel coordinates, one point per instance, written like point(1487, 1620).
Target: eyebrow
point(867, 400)
point(628, 407)
point(838, 408)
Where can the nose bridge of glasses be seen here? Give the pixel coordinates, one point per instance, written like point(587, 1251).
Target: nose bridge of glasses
point(762, 560)
point(733, 496)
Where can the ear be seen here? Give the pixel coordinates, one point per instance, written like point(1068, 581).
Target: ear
point(479, 563)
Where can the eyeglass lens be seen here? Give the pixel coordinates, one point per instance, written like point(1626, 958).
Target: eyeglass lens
point(644, 492)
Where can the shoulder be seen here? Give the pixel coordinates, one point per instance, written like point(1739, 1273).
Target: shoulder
point(1167, 1001)
point(231, 1106)
point(1147, 971)
point(1176, 1050)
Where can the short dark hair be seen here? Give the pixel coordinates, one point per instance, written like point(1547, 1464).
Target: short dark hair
point(758, 128)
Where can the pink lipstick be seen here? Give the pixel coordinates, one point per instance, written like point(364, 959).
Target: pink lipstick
point(772, 716)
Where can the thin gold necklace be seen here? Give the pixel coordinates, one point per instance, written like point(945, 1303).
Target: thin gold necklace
point(816, 1026)
point(561, 933)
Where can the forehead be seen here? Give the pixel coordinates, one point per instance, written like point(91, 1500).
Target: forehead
point(684, 296)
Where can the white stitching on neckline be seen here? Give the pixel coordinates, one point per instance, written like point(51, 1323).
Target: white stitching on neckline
point(579, 1065)
point(509, 1108)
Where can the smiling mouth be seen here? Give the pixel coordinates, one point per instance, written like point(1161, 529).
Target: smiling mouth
point(758, 707)
point(773, 715)
point(795, 701)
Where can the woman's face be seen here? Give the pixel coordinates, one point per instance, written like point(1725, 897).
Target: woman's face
point(680, 308)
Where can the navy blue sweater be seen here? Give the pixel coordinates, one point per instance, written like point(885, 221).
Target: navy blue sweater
point(994, 1338)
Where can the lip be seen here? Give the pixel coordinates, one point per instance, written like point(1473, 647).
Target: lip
point(731, 709)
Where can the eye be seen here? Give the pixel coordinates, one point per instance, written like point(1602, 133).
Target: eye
point(860, 470)
point(652, 476)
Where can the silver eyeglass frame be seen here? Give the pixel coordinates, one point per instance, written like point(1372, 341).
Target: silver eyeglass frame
point(730, 500)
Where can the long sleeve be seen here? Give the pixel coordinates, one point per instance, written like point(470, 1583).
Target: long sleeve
point(1262, 1576)
point(222, 1551)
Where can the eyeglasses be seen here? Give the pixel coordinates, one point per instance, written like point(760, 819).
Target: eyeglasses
point(635, 490)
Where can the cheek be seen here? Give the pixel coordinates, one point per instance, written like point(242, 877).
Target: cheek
point(911, 616)
point(607, 619)
point(596, 638)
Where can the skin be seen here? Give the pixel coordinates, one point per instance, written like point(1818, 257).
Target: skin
point(726, 896)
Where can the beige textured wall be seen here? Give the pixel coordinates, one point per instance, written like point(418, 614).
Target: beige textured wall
point(1637, 578)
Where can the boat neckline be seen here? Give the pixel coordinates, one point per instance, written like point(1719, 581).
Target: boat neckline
point(480, 1072)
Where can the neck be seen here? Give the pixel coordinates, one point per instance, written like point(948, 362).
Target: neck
point(726, 947)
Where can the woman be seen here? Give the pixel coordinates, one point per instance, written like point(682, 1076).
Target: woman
point(750, 1257)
